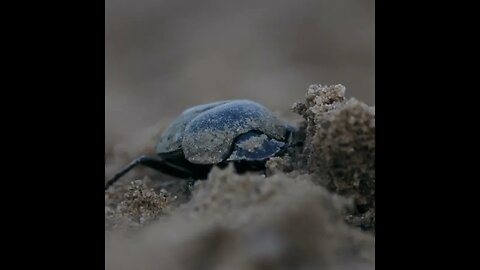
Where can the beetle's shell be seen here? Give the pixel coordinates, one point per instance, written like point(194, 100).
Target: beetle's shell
point(171, 139)
point(206, 133)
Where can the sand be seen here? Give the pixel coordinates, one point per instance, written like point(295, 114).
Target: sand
point(313, 209)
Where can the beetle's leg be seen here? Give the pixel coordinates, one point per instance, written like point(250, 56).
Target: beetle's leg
point(155, 163)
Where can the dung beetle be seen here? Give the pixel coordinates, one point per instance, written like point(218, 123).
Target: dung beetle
point(239, 131)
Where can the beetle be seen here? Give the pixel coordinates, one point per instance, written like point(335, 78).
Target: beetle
point(240, 131)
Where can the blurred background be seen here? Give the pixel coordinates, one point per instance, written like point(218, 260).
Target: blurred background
point(162, 56)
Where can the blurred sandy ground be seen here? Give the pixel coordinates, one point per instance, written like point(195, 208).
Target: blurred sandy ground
point(162, 56)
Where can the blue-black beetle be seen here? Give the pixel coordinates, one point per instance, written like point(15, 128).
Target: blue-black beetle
point(239, 131)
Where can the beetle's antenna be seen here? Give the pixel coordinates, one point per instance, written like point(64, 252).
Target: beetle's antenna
point(156, 163)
